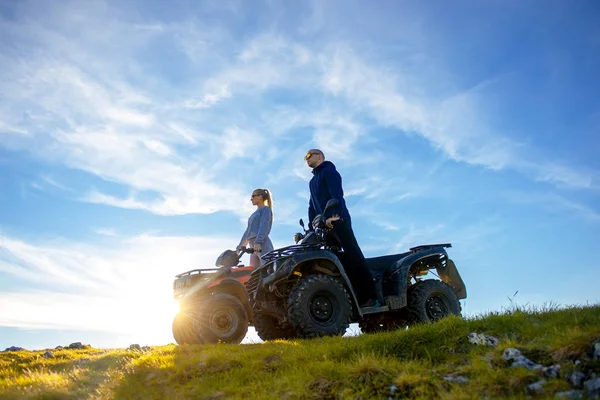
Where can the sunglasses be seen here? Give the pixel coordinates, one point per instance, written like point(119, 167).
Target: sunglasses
point(254, 195)
point(309, 155)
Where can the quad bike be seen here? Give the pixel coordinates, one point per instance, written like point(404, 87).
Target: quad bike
point(213, 303)
point(303, 290)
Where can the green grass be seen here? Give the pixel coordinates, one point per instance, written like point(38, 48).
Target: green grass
point(413, 362)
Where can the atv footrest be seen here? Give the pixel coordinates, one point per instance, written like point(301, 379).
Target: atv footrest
point(395, 302)
point(374, 310)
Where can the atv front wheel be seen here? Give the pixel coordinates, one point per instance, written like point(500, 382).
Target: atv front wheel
point(319, 305)
point(431, 300)
point(183, 329)
point(269, 328)
point(223, 318)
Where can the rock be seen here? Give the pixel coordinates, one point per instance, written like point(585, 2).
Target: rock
point(527, 363)
point(511, 354)
point(48, 354)
point(520, 360)
point(576, 378)
point(137, 347)
point(537, 387)
point(592, 385)
point(552, 371)
point(456, 379)
point(76, 345)
point(58, 348)
point(393, 389)
point(14, 348)
point(596, 351)
point(483, 340)
point(82, 361)
point(571, 395)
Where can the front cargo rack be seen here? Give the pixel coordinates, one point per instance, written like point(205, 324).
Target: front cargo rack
point(289, 250)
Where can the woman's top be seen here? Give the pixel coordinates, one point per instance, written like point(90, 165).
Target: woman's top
point(259, 226)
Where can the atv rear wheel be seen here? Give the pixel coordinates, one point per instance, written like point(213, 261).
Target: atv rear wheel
point(269, 328)
point(183, 329)
point(223, 318)
point(431, 300)
point(319, 305)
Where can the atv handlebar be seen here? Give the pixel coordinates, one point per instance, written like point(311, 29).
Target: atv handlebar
point(241, 250)
point(319, 220)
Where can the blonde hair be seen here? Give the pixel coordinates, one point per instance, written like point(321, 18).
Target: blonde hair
point(267, 196)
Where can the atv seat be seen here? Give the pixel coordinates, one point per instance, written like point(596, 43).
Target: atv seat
point(382, 263)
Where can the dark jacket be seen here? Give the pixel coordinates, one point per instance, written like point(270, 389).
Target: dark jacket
point(326, 184)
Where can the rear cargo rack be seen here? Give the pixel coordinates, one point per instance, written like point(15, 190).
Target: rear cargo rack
point(197, 271)
point(430, 246)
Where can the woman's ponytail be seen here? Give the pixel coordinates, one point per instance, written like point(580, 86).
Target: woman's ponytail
point(269, 199)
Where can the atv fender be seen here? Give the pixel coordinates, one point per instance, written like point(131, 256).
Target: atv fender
point(450, 275)
point(235, 288)
point(404, 265)
point(286, 267)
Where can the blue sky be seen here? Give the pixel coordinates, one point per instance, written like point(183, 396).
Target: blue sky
point(132, 134)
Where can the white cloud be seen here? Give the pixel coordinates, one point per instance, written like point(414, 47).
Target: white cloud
point(210, 99)
point(158, 147)
point(128, 117)
point(105, 232)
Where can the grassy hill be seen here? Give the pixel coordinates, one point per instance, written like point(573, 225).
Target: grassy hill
point(427, 361)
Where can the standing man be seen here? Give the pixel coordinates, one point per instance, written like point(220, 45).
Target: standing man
point(326, 184)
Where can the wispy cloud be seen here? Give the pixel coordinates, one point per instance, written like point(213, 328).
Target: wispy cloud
point(177, 145)
point(44, 183)
point(555, 203)
point(209, 99)
point(456, 124)
point(105, 232)
point(8, 129)
point(416, 235)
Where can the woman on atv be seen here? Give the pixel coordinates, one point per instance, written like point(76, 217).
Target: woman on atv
point(259, 226)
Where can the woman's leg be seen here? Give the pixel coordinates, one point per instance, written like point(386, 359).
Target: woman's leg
point(254, 261)
point(254, 258)
point(267, 247)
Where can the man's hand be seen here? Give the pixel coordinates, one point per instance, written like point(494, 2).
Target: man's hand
point(239, 247)
point(331, 220)
point(257, 248)
point(316, 221)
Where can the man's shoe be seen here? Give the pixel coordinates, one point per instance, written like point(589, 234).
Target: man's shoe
point(370, 303)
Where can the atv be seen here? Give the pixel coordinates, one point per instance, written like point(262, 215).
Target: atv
point(213, 303)
point(303, 290)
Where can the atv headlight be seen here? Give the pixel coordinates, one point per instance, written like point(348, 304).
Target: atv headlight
point(275, 265)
